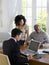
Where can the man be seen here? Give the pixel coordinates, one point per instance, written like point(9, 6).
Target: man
point(12, 49)
point(39, 35)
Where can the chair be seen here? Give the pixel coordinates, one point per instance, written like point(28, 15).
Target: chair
point(4, 60)
point(3, 36)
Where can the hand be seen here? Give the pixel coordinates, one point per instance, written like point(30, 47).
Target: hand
point(41, 46)
point(30, 57)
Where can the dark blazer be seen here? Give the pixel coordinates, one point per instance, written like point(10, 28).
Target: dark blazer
point(12, 49)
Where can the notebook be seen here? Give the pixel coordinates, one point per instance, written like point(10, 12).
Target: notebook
point(33, 48)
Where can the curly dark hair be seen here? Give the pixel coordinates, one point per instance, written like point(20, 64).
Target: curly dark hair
point(18, 18)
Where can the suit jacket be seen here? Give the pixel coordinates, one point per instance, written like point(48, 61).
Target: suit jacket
point(12, 49)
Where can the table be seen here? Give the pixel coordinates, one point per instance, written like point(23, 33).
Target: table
point(42, 61)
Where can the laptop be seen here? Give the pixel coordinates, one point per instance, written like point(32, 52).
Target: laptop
point(33, 48)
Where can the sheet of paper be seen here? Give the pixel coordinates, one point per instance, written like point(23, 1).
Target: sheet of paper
point(40, 51)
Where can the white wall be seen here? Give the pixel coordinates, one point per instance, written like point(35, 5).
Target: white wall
point(4, 26)
point(8, 12)
point(12, 12)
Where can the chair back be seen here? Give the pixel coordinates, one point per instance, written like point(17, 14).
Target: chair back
point(4, 60)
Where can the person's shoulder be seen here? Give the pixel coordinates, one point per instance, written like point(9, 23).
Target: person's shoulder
point(44, 33)
point(32, 33)
point(9, 40)
point(5, 41)
point(26, 26)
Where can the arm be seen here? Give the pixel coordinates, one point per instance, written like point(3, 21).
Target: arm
point(27, 34)
point(16, 55)
point(46, 38)
point(27, 31)
point(30, 37)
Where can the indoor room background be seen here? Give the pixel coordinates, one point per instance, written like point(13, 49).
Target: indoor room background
point(35, 11)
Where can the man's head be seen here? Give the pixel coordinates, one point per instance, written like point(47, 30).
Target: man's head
point(37, 28)
point(16, 33)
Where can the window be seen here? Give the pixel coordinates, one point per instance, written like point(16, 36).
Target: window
point(35, 11)
point(27, 12)
point(41, 13)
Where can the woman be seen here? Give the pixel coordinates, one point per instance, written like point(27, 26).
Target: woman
point(20, 23)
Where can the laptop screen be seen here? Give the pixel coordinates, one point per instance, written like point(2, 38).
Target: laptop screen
point(34, 45)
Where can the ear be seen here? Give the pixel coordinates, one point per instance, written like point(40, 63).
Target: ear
point(16, 37)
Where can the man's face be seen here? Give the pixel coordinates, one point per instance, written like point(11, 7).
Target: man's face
point(37, 29)
point(18, 37)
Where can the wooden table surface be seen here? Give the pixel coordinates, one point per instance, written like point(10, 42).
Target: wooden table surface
point(42, 61)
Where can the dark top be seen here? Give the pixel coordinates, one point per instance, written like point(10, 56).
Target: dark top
point(12, 49)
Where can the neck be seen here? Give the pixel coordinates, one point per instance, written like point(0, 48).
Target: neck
point(14, 38)
point(20, 27)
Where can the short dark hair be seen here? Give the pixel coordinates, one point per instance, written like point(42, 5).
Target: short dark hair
point(18, 18)
point(36, 26)
point(15, 32)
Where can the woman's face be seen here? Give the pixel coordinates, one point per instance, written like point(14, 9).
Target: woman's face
point(21, 22)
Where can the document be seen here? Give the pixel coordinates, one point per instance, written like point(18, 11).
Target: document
point(40, 51)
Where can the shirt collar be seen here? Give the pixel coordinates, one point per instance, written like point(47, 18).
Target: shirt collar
point(14, 39)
